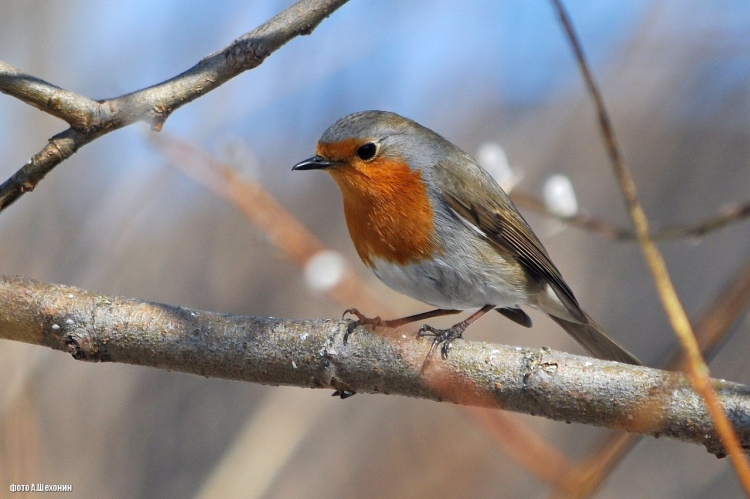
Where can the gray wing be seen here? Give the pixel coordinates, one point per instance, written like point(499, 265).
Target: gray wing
point(478, 199)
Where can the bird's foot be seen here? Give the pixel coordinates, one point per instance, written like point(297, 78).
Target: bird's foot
point(343, 394)
point(361, 321)
point(443, 337)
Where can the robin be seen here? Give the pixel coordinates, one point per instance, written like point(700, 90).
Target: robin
point(434, 225)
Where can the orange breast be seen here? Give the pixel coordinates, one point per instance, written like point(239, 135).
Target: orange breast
point(387, 209)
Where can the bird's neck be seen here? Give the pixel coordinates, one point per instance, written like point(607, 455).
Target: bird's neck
point(388, 212)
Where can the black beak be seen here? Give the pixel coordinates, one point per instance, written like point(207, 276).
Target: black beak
point(314, 163)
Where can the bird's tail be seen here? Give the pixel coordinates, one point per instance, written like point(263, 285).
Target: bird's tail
point(593, 338)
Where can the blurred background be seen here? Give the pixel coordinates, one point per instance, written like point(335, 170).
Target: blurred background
point(119, 218)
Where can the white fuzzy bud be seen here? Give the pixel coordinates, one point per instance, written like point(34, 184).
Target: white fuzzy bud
point(324, 270)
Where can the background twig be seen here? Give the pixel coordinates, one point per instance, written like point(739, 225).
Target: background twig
point(729, 215)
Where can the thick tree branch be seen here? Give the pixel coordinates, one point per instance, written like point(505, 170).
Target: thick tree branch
point(311, 354)
point(91, 119)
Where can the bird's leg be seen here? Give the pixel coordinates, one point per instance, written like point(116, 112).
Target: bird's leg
point(420, 317)
point(446, 336)
point(377, 321)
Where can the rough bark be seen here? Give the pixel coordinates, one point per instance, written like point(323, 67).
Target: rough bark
point(311, 353)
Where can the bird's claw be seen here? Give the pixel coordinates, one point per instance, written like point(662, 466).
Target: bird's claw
point(362, 320)
point(440, 336)
point(354, 312)
point(343, 394)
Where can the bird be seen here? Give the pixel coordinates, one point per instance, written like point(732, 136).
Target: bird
point(432, 224)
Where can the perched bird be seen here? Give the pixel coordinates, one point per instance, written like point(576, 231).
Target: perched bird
point(434, 225)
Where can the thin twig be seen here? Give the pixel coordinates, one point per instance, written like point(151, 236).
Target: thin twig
point(311, 354)
point(579, 220)
point(91, 119)
point(697, 369)
point(729, 215)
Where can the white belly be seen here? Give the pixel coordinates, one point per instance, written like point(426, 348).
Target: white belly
point(458, 284)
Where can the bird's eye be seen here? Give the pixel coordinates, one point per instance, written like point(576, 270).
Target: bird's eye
point(367, 151)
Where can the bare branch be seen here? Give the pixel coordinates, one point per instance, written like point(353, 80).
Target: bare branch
point(311, 354)
point(729, 215)
point(68, 106)
point(90, 119)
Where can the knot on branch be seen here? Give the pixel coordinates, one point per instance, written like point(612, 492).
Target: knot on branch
point(158, 116)
point(78, 341)
point(73, 343)
point(247, 53)
point(531, 360)
point(84, 347)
